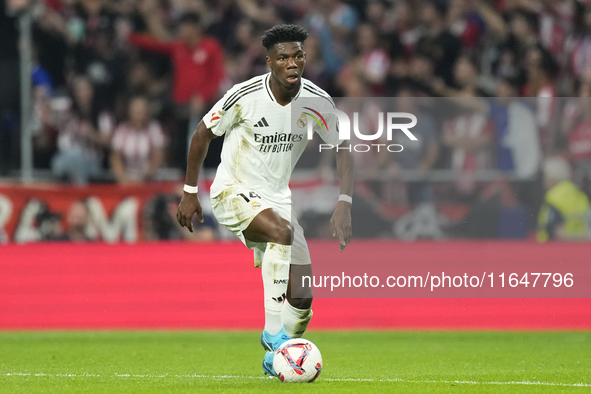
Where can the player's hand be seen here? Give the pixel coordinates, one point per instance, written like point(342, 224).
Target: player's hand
point(188, 206)
point(341, 224)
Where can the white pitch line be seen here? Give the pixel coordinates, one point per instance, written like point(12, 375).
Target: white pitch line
point(196, 376)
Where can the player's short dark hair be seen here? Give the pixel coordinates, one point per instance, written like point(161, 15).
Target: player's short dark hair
point(190, 18)
point(283, 33)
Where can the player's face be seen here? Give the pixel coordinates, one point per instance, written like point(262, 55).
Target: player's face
point(287, 61)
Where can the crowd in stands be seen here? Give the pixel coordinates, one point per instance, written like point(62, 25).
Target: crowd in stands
point(121, 84)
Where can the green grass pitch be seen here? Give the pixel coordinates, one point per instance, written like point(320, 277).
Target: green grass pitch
point(354, 362)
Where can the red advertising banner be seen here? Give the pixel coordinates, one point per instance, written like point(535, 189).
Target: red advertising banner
point(215, 286)
point(29, 213)
point(491, 269)
point(114, 211)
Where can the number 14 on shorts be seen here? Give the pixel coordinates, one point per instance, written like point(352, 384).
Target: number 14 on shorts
point(250, 194)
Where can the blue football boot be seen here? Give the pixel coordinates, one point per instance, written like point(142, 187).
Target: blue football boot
point(272, 342)
point(268, 364)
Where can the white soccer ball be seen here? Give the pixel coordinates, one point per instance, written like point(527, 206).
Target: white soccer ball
point(297, 361)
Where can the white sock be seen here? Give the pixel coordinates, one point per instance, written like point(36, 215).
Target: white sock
point(275, 271)
point(295, 320)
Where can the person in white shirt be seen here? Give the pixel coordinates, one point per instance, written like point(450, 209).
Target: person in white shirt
point(84, 134)
point(250, 194)
point(137, 145)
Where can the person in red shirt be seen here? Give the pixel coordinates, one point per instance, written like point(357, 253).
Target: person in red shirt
point(198, 60)
point(198, 64)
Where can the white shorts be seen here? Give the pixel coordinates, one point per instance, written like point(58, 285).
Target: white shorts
point(236, 207)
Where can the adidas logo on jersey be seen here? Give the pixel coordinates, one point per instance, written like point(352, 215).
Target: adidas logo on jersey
point(262, 123)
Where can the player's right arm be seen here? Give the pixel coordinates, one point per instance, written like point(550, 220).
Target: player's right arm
point(190, 204)
point(214, 124)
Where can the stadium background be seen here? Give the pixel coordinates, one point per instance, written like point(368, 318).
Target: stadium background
point(92, 57)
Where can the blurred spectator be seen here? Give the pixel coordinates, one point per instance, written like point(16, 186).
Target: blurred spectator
point(438, 43)
point(106, 68)
point(369, 111)
point(9, 91)
point(84, 134)
point(460, 48)
point(197, 60)
point(160, 221)
point(523, 35)
point(45, 136)
point(315, 68)
point(247, 55)
point(470, 136)
point(579, 137)
point(380, 15)
point(262, 12)
point(580, 56)
point(419, 155)
point(418, 73)
point(142, 81)
point(40, 77)
point(49, 227)
point(495, 213)
point(198, 71)
point(406, 27)
point(137, 145)
point(556, 17)
point(572, 110)
point(563, 215)
point(463, 24)
point(579, 144)
point(333, 22)
point(541, 71)
point(517, 139)
point(77, 222)
point(466, 74)
point(88, 19)
point(372, 61)
point(55, 45)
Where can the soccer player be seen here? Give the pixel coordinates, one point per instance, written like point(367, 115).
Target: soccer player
point(250, 194)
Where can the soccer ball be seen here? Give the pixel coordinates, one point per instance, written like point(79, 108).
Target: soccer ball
point(297, 361)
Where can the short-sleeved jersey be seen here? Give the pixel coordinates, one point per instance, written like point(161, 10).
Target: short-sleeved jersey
point(263, 139)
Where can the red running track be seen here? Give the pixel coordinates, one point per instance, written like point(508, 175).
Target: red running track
point(214, 286)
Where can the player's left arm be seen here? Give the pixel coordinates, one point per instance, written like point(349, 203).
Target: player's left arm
point(341, 219)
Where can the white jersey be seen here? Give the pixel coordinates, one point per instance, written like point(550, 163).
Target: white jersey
point(263, 141)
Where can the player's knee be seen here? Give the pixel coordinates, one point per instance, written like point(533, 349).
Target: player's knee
point(281, 233)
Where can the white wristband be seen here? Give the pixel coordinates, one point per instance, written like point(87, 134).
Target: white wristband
point(346, 198)
point(190, 189)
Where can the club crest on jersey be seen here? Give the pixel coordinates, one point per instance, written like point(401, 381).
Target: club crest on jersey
point(316, 118)
point(302, 121)
point(255, 205)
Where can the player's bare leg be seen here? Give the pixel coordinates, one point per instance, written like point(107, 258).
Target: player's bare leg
point(268, 226)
